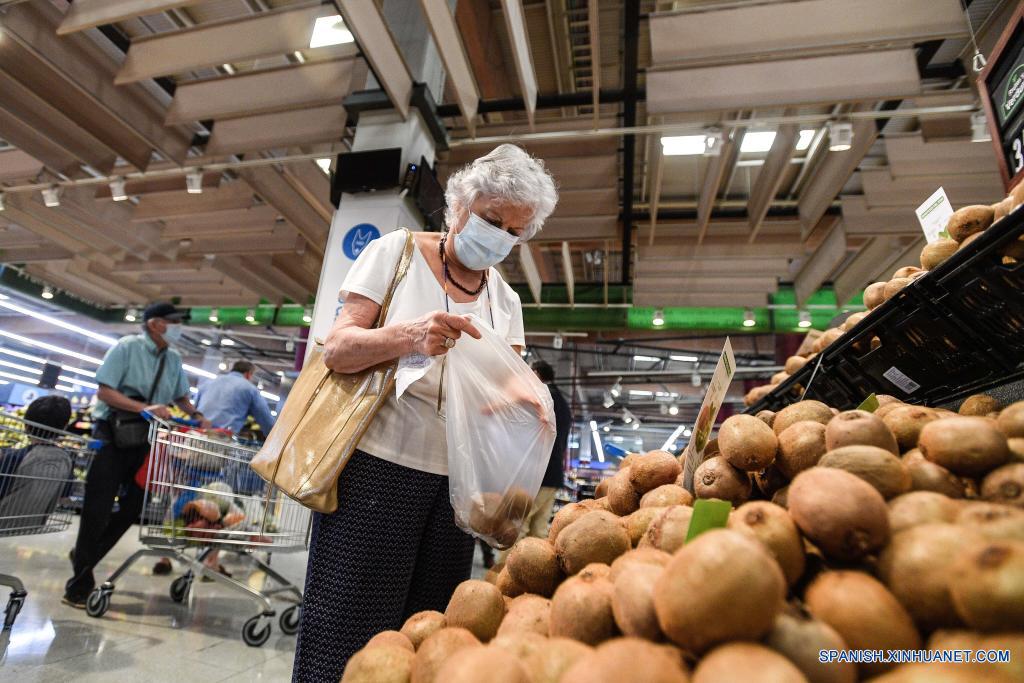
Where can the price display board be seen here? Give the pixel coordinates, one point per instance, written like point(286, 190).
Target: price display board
point(1002, 93)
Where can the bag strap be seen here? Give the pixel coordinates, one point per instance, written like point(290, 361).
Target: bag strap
point(159, 374)
point(400, 271)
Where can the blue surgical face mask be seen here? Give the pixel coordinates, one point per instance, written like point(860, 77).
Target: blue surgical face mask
point(172, 335)
point(480, 245)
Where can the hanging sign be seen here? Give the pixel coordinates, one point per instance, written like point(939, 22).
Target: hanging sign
point(1001, 84)
point(718, 387)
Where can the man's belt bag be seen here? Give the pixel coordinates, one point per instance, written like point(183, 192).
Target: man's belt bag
point(324, 417)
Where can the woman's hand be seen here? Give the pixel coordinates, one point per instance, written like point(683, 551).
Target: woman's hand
point(430, 332)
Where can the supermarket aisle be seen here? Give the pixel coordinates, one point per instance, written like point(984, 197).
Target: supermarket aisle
point(145, 635)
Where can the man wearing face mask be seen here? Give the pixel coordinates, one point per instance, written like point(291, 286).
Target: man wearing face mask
point(139, 373)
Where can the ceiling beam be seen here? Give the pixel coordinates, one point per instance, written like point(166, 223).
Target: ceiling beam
point(282, 240)
point(277, 130)
point(733, 299)
point(569, 273)
point(171, 205)
point(820, 264)
point(476, 27)
point(133, 266)
point(717, 170)
point(594, 25)
point(303, 269)
point(711, 250)
point(453, 54)
point(246, 223)
point(37, 145)
point(657, 164)
point(33, 254)
point(16, 165)
point(85, 14)
point(235, 268)
point(519, 44)
point(364, 19)
point(275, 190)
point(864, 267)
point(690, 284)
point(771, 175)
point(529, 267)
point(259, 92)
point(307, 178)
point(712, 266)
point(267, 34)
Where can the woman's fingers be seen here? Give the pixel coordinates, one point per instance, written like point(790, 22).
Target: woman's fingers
point(462, 324)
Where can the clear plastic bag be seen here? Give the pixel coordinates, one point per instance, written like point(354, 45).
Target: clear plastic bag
point(500, 424)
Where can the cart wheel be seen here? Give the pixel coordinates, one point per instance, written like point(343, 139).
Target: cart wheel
point(14, 604)
point(98, 603)
point(252, 634)
point(289, 621)
point(180, 587)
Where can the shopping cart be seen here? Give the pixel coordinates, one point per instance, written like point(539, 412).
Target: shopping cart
point(202, 496)
point(42, 471)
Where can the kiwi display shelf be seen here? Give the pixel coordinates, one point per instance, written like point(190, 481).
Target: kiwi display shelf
point(955, 331)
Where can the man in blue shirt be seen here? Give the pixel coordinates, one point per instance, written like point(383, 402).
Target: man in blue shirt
point(228, 400)
point(139, 373)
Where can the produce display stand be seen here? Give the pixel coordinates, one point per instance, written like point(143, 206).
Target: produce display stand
point(956, 331)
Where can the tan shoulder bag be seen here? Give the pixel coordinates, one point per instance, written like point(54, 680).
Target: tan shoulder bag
point(324, 417)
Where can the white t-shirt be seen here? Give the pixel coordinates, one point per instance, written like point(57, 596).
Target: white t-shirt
point(407, 430)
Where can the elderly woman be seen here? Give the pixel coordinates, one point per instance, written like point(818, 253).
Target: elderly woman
point(392, 549)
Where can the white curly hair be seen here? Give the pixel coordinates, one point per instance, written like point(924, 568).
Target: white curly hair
point(509, 174)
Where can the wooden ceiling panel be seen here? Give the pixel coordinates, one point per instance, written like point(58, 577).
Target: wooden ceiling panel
point(16, 165)
point(277, 130)
point(170, 205)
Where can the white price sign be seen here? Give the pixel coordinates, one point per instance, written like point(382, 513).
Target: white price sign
point(934, 215)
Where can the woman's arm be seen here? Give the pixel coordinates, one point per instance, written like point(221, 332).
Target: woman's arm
point(352, 346)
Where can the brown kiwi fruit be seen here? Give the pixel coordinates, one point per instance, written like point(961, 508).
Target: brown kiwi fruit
point(436, 650)
point(839, 512)
point(969, 640)
point(1016, 446)
point(564, 517)
point(894, 286)
point(652, 470)
point(633, 601)
point(747, 443)
point(390, 639)
point(716, 478)
point(477, 607)
point(969, 220)
point(422, 625)
point(801, 446)
point(1011, 420)
point(1005, 485)
point(815, 411)
point(779, 377)
point(800, 638)
point(781, 497)
point(636, 523)
point(905, 271)
point(906, 423)
point(473, 664)
point(520, 643)
point(769, 480)
point(864, 612)
point(553, 657)
point(774, 528)
point(874, 295)
point(628, 659)
point(668, 530)
point(859, 428)
point(651, 556)
point(665, 495)
point(876, 466)
point(921, 507)
point(623, 498)
point(917, 569)
point(526, 614)
point(987, 583)
point(601, 490)
point(581, 609)
point(969, 446)
point(629, 460)
point(887, 408)
point(927, 476)
point(979, 404)
point(595, 537)
point(721, 586)
point(766, 416)
point(383, 664)
point(830, 337)
point(533, 564)
point(992, 520)
point(853, 320)
point(794, 364)
point(748, 662)
point(936, 252)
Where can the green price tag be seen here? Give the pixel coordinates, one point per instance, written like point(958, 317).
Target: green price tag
point(870, 404)
point(707, 515)
point(944, 235)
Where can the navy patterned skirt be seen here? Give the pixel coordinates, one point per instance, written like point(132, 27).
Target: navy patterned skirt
point(392, 549)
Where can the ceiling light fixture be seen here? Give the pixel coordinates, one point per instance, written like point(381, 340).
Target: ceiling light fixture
point(646, 359)
point(117, 190)
point(636, 424)
point(223, 366)
point(79, 382)
point(198, 371)
point(51, 196)
point(227, 342)
point(194, 181)
point(50, 347)
point(19, 366)
point(307, 316)
point(269, 396)
point(289, 345)
point(3, 205)
point(131, 315)
point(330, 31)
point(758, 142)
point(840, 136)
point(805, 319)
point(47, 292)
point(695, 379)
point(597, 441)
point(19, 378)
point(684, 145)
point(325, 165)
point(748, 318)
point(616, 389)
point(250, 315)
point(608, 400)
point(713, 142)
point(685, 359)
point(803, 143)
point(205, 342)
point(37, 359)
point(627, 417)
point(214, 317)
point(641, 394)
point(607, 428)
point(673, 409)
point(687, 432)
point(979, 127)
point(659, 317)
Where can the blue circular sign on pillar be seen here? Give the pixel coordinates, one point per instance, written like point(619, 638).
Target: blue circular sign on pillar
point(357, 238)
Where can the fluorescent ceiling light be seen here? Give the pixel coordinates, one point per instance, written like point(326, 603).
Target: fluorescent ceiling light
point(637, 392)
point(109, 341)
point(198, 371)
point(597, 440)
point(269, 396)
point(19, 378)
point(330, 31)
point(227, 342)
point(685, 359)
point(65, 387)
point(19, 366)
point(79, 382)
point(205, 342)
point(325, 165)
point(758, 142)
point(683, 145)
point(37, 359)
point(804, 141)
point(646, 359)
point(50, 347)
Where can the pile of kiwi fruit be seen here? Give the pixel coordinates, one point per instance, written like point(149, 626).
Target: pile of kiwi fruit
point(897, 529)
point(964, 226)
